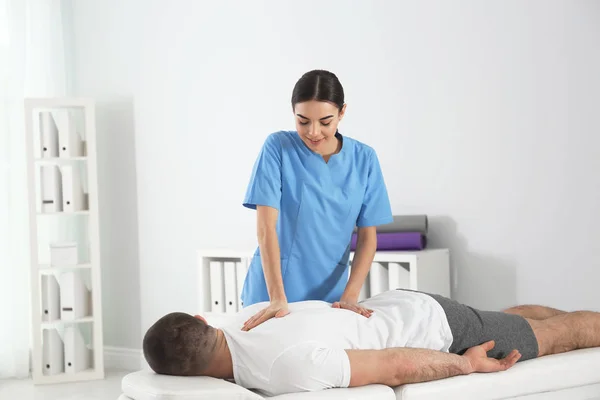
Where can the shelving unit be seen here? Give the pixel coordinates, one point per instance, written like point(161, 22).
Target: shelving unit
point(222, 273)
point(66, 313)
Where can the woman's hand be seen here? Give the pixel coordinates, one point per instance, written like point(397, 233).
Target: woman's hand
point(277, 309)
point(480, 362)
point(353, 306)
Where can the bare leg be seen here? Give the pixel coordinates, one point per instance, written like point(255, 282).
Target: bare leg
point(566, 332)
point(534, 311)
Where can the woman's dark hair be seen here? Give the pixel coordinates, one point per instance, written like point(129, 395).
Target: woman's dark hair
point(318, 85)
point(179, 344)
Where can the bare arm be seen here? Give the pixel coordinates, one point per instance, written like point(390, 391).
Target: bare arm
point(366, 245)
point(399, 366)
point(268, 242)
point(269, 251)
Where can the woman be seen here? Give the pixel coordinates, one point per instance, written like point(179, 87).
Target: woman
point(310, 188)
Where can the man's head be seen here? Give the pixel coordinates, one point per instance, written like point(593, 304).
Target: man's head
point(180, 344)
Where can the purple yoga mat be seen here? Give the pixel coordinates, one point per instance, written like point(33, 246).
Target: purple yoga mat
point(396, 241)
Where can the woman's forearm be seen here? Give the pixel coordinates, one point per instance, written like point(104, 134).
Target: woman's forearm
point(366, 245)
point(270, 255)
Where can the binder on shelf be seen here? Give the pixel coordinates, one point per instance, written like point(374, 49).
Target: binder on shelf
point(231, 303)
point(64, 254)
point(399, 277)
point(50, 298)
point(74, 296)
point(77, 354)
point(217, 295)
point(378, 279)
point(48, 135)
point(69, 140)
point(51, 190)
point(364, 290)
point(240, 275)
point(52, 352)
point(72, 195)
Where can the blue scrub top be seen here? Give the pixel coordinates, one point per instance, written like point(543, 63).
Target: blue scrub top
point(319, 205)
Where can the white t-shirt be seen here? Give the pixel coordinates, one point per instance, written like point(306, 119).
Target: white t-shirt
point(304, 351)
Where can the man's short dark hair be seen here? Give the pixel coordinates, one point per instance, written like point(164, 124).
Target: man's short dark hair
point(179, 344)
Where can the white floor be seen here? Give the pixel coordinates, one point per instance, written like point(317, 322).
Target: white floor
point(23, 389)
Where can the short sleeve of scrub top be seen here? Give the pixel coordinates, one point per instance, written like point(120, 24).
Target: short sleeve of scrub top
point(375, 209)
point(265, 181)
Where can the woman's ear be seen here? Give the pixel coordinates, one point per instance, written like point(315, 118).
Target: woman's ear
point(342, 112)
point(201, 318)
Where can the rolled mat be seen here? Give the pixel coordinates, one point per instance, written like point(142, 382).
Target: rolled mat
point(396, 241)
point(405, 223)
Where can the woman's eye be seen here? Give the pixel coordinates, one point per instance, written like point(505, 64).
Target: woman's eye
point(327, 124)
point(303, 123)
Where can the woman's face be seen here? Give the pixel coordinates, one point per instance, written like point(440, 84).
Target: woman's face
point(316, 123)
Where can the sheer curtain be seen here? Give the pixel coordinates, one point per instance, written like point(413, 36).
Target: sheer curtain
point(32, 64)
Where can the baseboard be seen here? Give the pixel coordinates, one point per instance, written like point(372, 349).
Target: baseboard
point(123, 358)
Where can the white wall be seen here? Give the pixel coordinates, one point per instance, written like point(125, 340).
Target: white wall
point(483, 116)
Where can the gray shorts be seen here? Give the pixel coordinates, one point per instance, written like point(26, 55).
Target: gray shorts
point(471, 327)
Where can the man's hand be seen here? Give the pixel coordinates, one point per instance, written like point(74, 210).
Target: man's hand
point(480, 362)
point(277, 309)
point(401, 365)
point(353, 306)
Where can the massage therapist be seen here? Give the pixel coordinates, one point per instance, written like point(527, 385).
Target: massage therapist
point(310, 188)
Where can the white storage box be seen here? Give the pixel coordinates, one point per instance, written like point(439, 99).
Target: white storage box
point(64, 253)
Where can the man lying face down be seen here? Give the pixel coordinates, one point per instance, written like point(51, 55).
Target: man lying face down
point(410, 337)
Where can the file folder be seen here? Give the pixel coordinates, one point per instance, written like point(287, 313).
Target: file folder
point(378, 279)
point(74, 296)
point(399, 277)
point(217, 295)
point(50, 298)
point(364, 290)
point(77, 354)
point(52, 352)
point(231, 302)
point(48, 135)
point(241, 269)
point(72, 195)
point(51, 189)
point(69, 140)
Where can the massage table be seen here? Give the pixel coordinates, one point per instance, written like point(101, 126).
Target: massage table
point(571, 376)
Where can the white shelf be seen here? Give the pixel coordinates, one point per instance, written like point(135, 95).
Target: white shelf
point(59, 322)
point(44, 214)
point(61, 102)
point(86, 375)
point(225, 253)
point(52, 131)
point(48, 269)
point(59, 160)
point(426, 270)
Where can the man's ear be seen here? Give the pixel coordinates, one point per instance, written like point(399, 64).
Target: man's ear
point(201, 318)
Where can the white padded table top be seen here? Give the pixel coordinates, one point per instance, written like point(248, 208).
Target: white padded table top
point(546, 374)
point(146, 385)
